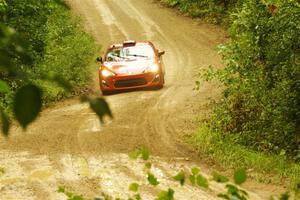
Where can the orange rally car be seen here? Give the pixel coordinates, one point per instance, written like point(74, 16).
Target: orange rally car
point(131, 65)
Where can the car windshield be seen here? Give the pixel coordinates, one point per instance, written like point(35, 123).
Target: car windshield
point(130, 53)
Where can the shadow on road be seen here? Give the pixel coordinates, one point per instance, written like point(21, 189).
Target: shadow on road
point(111, 93)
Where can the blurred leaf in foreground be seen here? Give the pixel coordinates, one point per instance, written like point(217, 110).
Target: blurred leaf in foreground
point(4, 122)
point(180, 177)
point(142, 151)
point(61, 189)
point(202, 181)
point(27, 104)
point(284, 196)
point(219, 178)
point(195, 170)
point(145, 153)
point(134, 154)
point(152, 179)
point(99, 106)
point(166, 195)
point(134, 187)
point(240, 176)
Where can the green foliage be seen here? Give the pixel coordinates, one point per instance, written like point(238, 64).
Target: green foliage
point(27, 104)
point(142, 152)
point(145, 153)
point(3, 6)
point(134, 154)
point(44, 56)
point(240, 176)
point(261, 102)
point(233, 192)
point(134, 187)
point(219, 178)
point(4, 87)
point(284, 196)
point(28, 18)
point(69, 52)
point(70, 195)
point(166, 195)
point(201, 181)
point(55, 44)
point(223, 150)
point(152, 179)
point(180, 177)
point(136, 197)
point(196, 178)
point(194, 173)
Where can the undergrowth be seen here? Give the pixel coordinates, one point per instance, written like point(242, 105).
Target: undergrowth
point(54, 43)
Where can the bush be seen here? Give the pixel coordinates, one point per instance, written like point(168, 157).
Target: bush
point(68, 53)
point(44, 54)
point(261, 103)
point(56, 45)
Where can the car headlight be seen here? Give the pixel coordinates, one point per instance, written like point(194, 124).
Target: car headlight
point(152, 68)
point(106, 73)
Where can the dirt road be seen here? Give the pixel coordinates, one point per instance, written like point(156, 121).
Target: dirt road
point(68, 147)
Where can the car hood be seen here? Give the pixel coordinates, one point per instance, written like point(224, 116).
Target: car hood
point(128, 67)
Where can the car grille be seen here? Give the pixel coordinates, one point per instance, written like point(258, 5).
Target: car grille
point(130, 82)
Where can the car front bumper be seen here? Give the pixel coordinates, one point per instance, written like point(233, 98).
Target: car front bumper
point(125, 82)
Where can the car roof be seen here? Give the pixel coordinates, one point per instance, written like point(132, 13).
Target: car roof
point(130, 43)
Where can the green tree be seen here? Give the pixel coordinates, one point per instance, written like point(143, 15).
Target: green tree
point(43, 54)
point(261, 103)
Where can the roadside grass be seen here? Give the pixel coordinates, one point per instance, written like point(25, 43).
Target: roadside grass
point(263, 167)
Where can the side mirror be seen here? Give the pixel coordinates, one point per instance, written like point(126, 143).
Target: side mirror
point(99, 59)
point(160, 53)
